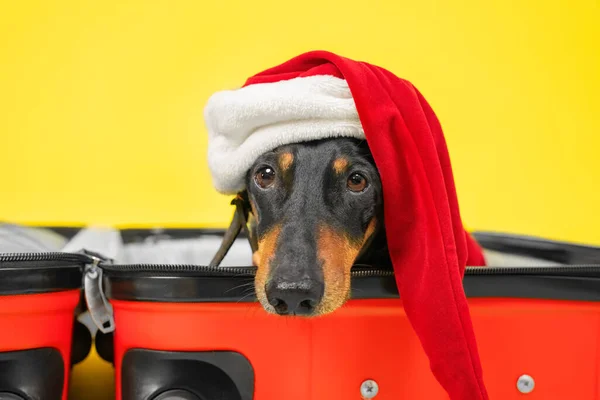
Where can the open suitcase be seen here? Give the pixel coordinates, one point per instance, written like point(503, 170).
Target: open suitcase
point(40, 299)
point(188, 331)
point(177, 329)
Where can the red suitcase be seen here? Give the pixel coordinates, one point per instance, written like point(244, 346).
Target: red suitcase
point(193, 332)
point(39, 337)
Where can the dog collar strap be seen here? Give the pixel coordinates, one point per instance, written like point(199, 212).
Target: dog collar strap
point(239, 223)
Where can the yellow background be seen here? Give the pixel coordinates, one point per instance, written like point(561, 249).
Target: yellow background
point(101, 103)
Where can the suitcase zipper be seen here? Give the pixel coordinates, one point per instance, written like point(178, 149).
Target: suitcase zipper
point(49, 257)
point(98, 306)
point(566, 270)
point(8, 259)
point(359, 271)
point(203, 270)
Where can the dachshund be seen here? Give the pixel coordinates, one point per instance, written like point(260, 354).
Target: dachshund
point(316, 210)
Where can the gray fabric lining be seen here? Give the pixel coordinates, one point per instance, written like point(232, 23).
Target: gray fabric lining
point(198, 251)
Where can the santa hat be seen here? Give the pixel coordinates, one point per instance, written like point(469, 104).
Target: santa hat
point(322, 95)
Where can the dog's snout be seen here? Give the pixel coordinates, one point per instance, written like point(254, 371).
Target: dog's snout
point(294, 297)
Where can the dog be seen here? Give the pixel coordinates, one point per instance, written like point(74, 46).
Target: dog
point(317, 209)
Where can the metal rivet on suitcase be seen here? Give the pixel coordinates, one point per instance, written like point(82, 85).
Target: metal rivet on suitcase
point(369, 389)
point(525, 384)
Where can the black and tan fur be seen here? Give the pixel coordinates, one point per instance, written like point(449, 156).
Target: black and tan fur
point(317, 210)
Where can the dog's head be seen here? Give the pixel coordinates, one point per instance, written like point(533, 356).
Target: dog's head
point(316, 205)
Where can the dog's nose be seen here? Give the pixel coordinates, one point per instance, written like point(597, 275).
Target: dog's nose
point(297, 298)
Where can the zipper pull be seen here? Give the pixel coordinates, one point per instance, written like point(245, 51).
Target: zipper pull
point(100, 309)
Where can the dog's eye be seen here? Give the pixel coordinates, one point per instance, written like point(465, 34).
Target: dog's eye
point(265, 177)
point(357, 182)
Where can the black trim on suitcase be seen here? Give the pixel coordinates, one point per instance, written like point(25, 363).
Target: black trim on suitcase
point(214, 375)
point(32, 374)
point(32, 273)
point(551, 283)
point(555, 251)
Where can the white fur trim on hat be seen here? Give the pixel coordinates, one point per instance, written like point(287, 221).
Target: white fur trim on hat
point(245, 123)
